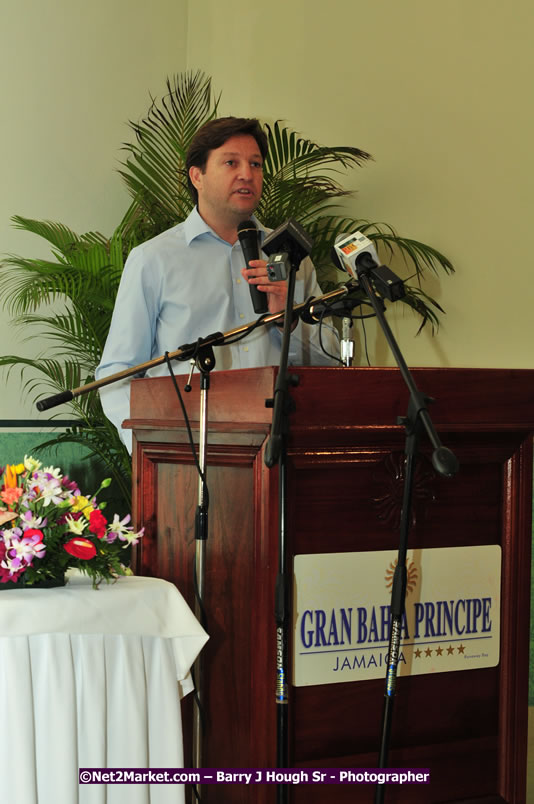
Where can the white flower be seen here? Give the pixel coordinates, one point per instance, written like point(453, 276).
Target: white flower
point(50, 490)
point(130, 537)
point(76, 526)
point(31, 464)
point(31, 521)
point(118, 525)
point(54, 471)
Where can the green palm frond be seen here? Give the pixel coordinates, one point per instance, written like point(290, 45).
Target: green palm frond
point(48, 376)
point(424, 305)
point(84, 333)
point(28, 283)
point(87, 268)
point(86, 283)
point(291, 155)
point(83, 282)
point(416, 255)
point(299, 178)
point(155, 168)
point(57, 234)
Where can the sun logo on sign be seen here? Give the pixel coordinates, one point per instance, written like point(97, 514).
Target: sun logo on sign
point(412, 575)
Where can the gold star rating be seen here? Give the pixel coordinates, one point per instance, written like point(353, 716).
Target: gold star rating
point(461, 649)
point(417, 653)
point(428, 652)
point(450, 650)
point(439, 651)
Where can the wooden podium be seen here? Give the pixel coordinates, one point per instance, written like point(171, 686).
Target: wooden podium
point(345, 448)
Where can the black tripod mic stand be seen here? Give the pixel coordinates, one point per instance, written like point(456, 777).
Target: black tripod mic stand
point(289, 239)
point(416, 421)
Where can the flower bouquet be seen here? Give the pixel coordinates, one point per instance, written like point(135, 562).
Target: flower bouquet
point(47, 526)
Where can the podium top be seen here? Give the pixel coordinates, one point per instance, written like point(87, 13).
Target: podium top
point(465, 398)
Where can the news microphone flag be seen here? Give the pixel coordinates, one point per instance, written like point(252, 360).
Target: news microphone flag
point(352, 246)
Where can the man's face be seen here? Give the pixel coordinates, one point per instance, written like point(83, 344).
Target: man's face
point(229, 188)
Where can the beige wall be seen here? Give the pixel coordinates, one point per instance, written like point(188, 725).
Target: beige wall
point(72, 74)
point(441, 95)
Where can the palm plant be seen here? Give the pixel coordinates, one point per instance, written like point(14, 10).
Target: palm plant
point(81, 284)
point(300, 181)
point(155, 169)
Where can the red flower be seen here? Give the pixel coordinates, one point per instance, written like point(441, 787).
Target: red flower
point(80, 548)
point(29, 532)
point(98, 523)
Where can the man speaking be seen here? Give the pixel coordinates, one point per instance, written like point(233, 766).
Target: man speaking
point(192, 280)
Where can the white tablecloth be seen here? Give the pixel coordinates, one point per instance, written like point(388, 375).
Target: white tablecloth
point(93, 679)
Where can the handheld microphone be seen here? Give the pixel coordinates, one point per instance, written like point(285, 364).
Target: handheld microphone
point(357, 254)
point(248, 237)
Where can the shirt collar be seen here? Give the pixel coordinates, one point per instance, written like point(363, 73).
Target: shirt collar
point(195, 226)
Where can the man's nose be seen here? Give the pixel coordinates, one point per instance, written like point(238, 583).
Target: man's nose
point(245, 171)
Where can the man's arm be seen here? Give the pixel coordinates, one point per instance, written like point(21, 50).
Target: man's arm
point(130, 338)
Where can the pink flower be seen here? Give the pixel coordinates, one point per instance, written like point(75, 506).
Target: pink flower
point(34, 537)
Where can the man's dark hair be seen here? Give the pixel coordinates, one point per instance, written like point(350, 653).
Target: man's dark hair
point(214, 134)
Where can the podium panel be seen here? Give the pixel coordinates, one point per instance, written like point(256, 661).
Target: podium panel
point(345, 476)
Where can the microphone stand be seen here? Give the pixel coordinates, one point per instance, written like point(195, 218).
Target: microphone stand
point(347, 344)
point(276, 453)
point(205, 362)
point(444, 462)
point(189, 351)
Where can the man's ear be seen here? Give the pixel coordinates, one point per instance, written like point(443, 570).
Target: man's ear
point(195, 174)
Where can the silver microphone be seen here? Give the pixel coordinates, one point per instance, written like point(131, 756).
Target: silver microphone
point(346, 344)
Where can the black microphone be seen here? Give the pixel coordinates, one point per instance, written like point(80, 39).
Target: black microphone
point(248, 237)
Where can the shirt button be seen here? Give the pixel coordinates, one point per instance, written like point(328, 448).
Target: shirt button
point(238, 282)
point(241, 315)
point(245, 348)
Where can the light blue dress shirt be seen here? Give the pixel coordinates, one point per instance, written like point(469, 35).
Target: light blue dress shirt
point(184, 284)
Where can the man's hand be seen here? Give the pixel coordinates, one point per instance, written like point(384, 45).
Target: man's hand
point(276, 292)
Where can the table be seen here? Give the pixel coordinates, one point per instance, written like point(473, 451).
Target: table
point(93, 679)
